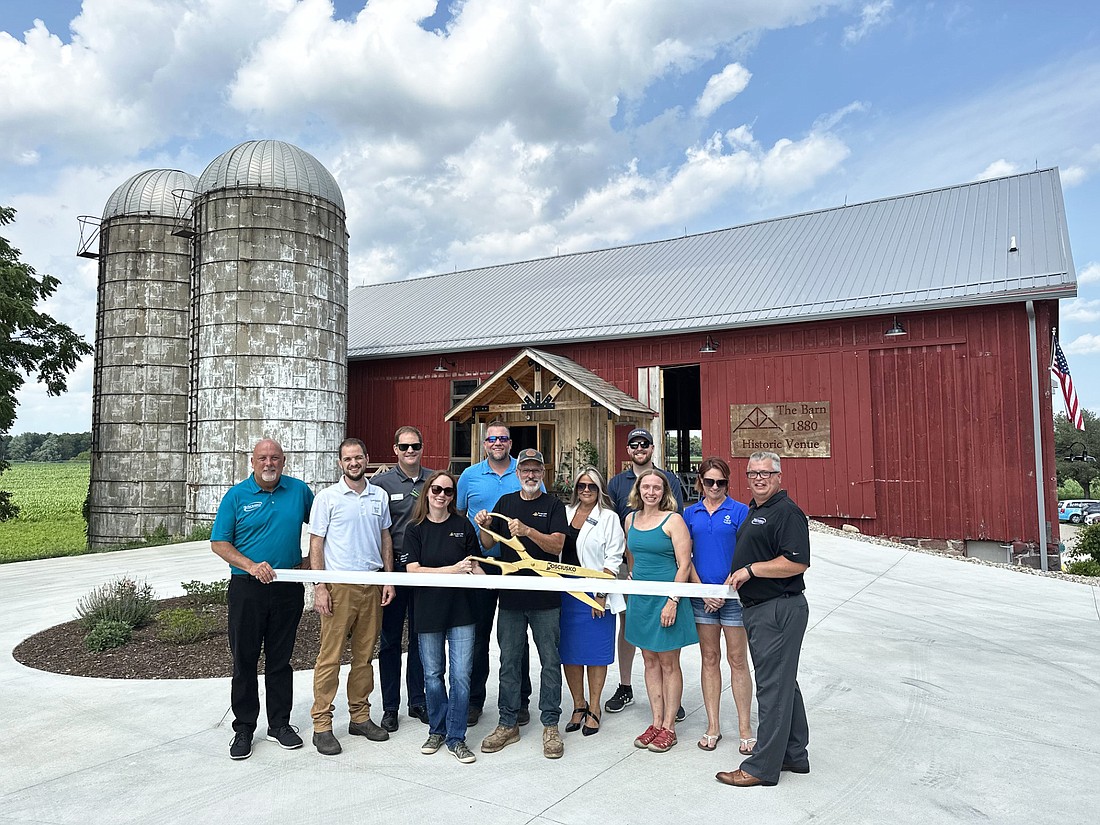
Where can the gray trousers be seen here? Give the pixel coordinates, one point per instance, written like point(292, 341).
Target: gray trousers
point(775, 630)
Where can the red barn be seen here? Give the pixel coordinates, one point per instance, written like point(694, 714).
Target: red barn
point(894, 352)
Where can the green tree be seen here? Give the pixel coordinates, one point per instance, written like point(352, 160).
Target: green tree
point(31, 342)
point(1072, 445)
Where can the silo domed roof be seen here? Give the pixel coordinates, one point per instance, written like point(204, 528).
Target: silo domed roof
point(150, 193)
point(272, 163)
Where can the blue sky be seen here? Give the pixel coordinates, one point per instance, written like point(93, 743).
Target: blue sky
point(473, 133)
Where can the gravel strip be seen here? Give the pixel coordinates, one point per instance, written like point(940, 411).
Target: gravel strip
point(818, 527)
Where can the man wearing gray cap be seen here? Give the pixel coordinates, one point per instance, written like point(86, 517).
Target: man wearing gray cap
point(640, 447)
point(538, 520)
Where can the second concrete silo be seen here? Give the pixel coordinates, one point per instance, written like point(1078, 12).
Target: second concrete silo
point(140, 383)
point(269, 318)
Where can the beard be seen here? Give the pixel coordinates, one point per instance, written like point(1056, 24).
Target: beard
point(351, 475)
point(532, 486)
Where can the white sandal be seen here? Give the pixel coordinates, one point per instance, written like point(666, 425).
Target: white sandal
point(747, 746)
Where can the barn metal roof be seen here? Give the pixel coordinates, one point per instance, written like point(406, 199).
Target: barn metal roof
point(151, 193)
point(271, 163)
point(928, 250)
point(604, 393)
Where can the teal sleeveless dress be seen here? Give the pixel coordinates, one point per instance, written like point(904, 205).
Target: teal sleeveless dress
point(655, 560)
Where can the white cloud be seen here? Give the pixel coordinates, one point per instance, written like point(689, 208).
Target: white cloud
point(1089, 274)
point(871, 16)
point(997, 169)
point(722, 88)
point(1080, 311)
point(830, 120)
point(1072, 176)
point(1087, 344)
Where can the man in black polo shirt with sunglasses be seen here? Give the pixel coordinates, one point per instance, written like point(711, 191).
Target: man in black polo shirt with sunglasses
point(772, 554)
point(404, 482)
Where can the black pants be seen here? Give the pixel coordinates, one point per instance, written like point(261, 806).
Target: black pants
point(263, 616)
point(483, 632)
point(389, 654)
point(775, 629)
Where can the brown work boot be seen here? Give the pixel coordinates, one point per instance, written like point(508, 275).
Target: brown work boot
point(500, 738)
point(552, 746)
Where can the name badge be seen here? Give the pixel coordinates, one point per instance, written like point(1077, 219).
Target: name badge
point(396, 496)
point(592, 521)
point(376, 508)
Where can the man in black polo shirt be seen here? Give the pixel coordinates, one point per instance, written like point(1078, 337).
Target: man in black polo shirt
point(772, 553)
point(539, 521)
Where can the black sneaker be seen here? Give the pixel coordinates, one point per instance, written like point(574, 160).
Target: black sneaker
point(389, 721)
point(242, 745)
point(287, 737)
point(419, 712)
point(681, 714)
point(620, 699)
point(523, 716)
point(472, 715)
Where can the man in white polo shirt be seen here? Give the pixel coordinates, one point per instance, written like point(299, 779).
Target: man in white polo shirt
point(349, 530)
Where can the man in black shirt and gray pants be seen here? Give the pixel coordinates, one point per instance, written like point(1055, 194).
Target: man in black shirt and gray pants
point(772, 553)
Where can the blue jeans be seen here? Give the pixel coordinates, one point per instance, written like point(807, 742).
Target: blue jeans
point(512, 637)
point(447, 716)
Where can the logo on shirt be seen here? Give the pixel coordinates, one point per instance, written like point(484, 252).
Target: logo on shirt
point(458, 535)
point(727, 519)
point(254, 505)
point(759, 520)
point(540, 515)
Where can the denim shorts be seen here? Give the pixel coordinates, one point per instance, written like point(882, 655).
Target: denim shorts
point(728, 616)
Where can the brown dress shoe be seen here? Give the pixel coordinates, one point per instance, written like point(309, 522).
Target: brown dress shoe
point(740, 779)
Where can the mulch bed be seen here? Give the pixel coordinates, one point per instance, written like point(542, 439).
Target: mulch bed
point(60, 649)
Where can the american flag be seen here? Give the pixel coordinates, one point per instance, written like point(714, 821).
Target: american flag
point(1060, 367)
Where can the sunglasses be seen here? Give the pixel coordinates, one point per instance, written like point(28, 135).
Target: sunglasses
point(583, 487)
point(715, 482)
point(640, 445)
point(416, 447)
point(493, 439)
point(436, 490)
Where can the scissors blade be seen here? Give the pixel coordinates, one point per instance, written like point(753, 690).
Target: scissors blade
point(512, 542)
point(505, 566)
point(584, 597)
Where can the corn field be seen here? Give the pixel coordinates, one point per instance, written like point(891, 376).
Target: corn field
point(50, 497)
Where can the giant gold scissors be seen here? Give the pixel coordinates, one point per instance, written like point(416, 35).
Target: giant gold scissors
point(543, 568)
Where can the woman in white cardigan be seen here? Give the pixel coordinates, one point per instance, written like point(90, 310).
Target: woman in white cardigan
point(594, 539)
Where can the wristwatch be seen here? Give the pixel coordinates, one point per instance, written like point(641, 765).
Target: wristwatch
point(601, 595)
point(748, 569)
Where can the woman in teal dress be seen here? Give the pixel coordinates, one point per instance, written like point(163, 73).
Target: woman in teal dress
point(659, 542)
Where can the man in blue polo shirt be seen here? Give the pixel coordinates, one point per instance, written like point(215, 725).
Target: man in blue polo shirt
point(258, 528)
point(480, 487)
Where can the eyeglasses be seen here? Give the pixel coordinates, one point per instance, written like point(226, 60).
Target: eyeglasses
point(640, 445)
point(436, 490)
point(583, 487)
point(715, 482)
point(493, 439)
point(764, 474)
point(409, 447)
point(532, 471)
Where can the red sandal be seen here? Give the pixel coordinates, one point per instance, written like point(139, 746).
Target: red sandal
point(663, 741)
point(647, 737)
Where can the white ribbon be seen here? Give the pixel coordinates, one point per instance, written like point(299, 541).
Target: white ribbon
point(628, 587)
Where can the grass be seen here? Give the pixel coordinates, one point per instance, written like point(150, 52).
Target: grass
point(50, 496)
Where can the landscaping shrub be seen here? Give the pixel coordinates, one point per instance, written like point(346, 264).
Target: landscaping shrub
point(202, 594)
point(122, 600)
point(1088, 567)
point(183, 626)
point(106, 635)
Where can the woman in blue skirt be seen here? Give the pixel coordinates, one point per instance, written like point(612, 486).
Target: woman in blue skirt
point(593, 539)
point(659, 544)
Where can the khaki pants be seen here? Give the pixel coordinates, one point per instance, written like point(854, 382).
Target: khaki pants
point(356, 609)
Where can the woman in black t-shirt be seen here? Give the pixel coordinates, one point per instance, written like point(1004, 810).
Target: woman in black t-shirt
point(440, 541)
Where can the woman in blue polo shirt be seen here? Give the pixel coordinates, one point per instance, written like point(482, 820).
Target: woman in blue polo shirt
point(713, 523)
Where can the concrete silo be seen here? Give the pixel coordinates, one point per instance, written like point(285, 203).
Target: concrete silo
point(140, 383)
point(269, 319)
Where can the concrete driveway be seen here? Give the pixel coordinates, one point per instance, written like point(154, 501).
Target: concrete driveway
point(937, 691)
